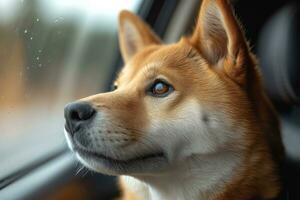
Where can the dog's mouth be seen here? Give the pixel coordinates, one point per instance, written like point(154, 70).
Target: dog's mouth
point(99, 162)
point(141, 163)
point(91, 154)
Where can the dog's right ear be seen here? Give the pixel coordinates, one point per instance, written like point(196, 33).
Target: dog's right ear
point(220, 39)
point(134, 34)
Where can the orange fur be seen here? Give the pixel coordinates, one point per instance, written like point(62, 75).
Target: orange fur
point(215, 67)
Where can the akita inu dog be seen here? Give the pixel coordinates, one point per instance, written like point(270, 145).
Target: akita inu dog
point(186, 121)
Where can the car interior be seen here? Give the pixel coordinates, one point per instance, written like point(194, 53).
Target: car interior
point(272, 29)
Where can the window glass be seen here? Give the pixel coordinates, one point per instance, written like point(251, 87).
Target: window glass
point(51, 53)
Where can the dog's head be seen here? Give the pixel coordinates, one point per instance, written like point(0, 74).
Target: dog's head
point(171, 103)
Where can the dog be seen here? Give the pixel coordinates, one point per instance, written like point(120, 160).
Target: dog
point(185, 121)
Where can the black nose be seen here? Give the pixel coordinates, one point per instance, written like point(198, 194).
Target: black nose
point(77, 114)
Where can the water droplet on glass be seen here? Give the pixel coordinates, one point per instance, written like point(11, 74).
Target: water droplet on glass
point(37, 19)
point(40, 65)
point(38, 58)
point(40, 51)
point(31, 38)
point(25, 31)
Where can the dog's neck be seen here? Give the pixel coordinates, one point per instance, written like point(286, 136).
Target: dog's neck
point(201, 177)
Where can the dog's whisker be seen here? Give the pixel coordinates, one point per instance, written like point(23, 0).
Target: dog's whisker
point(80, 168)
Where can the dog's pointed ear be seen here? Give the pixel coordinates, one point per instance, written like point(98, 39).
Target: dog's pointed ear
point(134, 34)
point(219, 37)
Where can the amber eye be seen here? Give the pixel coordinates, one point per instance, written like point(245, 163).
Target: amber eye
point(160, 89)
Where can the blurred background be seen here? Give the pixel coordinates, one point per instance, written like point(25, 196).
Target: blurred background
point(53, 52)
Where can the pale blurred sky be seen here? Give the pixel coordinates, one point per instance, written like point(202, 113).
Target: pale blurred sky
point(104, 11)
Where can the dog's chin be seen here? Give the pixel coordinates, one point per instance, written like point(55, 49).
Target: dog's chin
point(147, 164)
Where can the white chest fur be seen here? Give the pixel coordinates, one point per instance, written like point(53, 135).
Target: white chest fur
point(200, 179)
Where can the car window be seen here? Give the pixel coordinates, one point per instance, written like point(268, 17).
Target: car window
point(51, 52)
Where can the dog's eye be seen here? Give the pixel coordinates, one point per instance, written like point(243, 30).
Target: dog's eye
point(160, 89)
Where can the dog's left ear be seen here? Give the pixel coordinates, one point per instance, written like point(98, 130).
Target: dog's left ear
point(220, 39)
point(134, 34)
